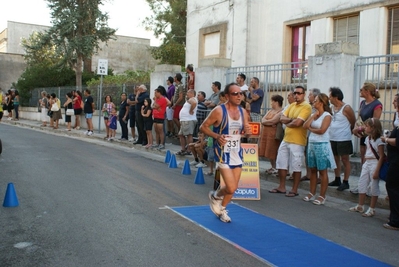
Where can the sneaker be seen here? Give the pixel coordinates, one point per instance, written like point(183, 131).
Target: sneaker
point(215, 204)
point(200, 165)
point(85, 133)
point(335, 183)
point(131, 140)
point(223, 216)
point(343, 186)
point(90, 133)
point(161, 147)
point(154, 146)
point(194, 162)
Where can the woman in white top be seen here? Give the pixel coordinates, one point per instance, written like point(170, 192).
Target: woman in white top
point(319, 154)
point(396, 114)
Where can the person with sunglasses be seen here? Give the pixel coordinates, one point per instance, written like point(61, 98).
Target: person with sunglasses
point(229, 122)
point(291, 151)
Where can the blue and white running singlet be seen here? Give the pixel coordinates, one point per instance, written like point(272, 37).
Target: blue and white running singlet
point(231, 153)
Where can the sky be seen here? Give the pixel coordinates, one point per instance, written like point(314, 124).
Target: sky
point(124, 15)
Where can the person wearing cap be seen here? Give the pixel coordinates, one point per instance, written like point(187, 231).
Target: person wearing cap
point(241, 81)
point(213, 100)
point(169, 110)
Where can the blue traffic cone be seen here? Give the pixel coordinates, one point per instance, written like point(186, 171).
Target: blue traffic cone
point(199, 177)
point(172, 162)
point(167, 157)
point(10, 200)
point(186, 168)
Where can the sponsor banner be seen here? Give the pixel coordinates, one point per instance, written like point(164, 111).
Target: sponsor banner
point(249, 184)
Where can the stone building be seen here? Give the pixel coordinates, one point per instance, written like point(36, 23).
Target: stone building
point(124, 53)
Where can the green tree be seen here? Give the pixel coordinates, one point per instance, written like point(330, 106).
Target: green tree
point(78, 27)
point(169, 23)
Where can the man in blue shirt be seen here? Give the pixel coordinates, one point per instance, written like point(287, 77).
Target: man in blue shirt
point(255, 99)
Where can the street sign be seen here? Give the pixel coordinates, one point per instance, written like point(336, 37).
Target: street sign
point(102, 68)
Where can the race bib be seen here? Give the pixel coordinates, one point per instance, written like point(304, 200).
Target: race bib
point(233, 143)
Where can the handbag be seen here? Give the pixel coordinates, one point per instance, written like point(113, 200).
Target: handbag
point(70, 112)
point(384, 167)
point(279, 132)
point(54, 107)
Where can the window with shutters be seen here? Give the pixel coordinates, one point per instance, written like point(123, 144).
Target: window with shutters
point(393, 41)
point(346, 29)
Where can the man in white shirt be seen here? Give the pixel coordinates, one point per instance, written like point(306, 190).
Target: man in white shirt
point(241, 82)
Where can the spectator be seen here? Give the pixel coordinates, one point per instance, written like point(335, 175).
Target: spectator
point(319, 154)
point(141, 95)
point(178, 99)
point(107, 108)
point(43, 104)
point(213, 100)
point(77, 108)
point(10, 104)
point(16, 104)
point(191, 76)
point(131, 101)
point(158, 111)
point(201, 110)
point(188, 120)
point(374, 157)
point(123, 117)
point(255, 99)
point(370, 107)
point(312, 96)
point(146, 112)
point(68, 105)
point(268, 144)
point(56, 115)
point(392, 181)
point(198, 150)
point(89, 110)
point(241, 82)
point(169, 111)
point(1, 104)
point(112, 124)
point(210, 154)
point(341, 136)
point(395, 121)
point(245, 105)
point(291, 150)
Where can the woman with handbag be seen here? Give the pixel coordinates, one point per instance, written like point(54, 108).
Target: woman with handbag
point(68, 110)
point(56, 109)
point(319, 155)
point(272, 133)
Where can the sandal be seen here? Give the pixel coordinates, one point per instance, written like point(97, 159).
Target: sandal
point(307, 198)
point(291, 194)
point(209, 173)
point(272, 171)
point(357, 208)
point(369, 213)
point(390, 227)
point(318, 201)
point(304, 178)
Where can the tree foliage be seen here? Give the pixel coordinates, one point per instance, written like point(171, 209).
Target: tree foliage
point(78, 27)
point(127, 77)
point(169, 22)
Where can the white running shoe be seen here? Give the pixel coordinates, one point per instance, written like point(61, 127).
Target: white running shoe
point(223, 216)
point(90, 133)
point(85, 133)
point(202, 165)
point(194, 162)
point(215, 204)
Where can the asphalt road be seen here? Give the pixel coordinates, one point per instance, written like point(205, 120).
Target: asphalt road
point(91, 203)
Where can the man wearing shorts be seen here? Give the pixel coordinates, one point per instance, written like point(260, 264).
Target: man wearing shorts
point(229, 122)
point(291, 151)
point(341, 136)
point(179, 99)
point(89, 110)
point(188, 121)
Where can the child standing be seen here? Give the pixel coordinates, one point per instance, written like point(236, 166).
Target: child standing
point(112, 124)
point(373, 160)
point(146, 112)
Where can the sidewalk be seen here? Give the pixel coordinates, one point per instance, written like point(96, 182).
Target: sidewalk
point(173, 147)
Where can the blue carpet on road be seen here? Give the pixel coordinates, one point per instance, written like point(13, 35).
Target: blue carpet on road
point(273, 241)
